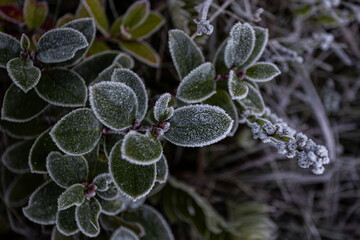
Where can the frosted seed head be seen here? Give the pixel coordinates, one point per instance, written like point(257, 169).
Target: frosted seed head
point(318, 171)
point(301, 139)
point(281, 148)
point(312, 157)
point(269, 128)
point(321, 151)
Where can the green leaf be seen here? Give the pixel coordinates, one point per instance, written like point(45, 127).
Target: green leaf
point(62, 87)
point(153, 22)
point(42, 206)
point(219, 58)
point(9, 48)
point(223, 100)
point(142, 51)
point(97, 47)
point(124, 233)
point(105, 75)
point(56, 235)
point(198, 126)
point(262, 72)
point(96, 10)
point(240, 45)
point(162, 170)
point(78, 132)
point(21, 107)
point(15, 157)
point(115, 27)
point(253, 101)
point(114, 104)
point(59, 45)
point(102, 182)
point(125, 60)
point(65, 221)
point(142, 149)
point(154, 224)
point(26, 130)
point(39, 151)
point(110, 141)
point(35, 13)
point(134, 181)
point(87, 215)
point(98, 164)
point(112, 193)
point(132, 80)
point(136, 14)
point(111, 207)
point(261, 39)
point(73, 196)
point(66, 170)
point(24, 42)
point(198, 85)
point(23, 73)
point(185, 54)
point(162, 111)
point(238, 89)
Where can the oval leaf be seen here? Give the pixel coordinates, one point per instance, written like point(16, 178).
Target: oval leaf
point(198, 125)
point(87, 215)
point(238, 89)
point(253, 101)
point(142, 51)
point(9, 48)
point(125, 60)
point(162, 111)
point(77, 133)
point(73, 196)
point(96, 10)
point(102, 181)
point(136, 14)
point(262, 72)
point(162, 170)
point(153, 22)
point(124, 233)
point(35, 13)
point(15, 157)
point(65, 221)
point(24, 42)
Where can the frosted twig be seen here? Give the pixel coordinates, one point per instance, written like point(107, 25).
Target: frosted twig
point(203, 25)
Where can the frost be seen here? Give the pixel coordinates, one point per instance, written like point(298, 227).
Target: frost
point(9, 48)
point(162, 170)
point(162, 111)
point(198, 85)
point(86, 216)
point(15, 157)
point(23, 73)
point(65, 222)
point(24, 42)
point(262, 72)
point(253, 101)
point(203, 25)
point(102, 181)
point(72, 196)
point(124, 233)
point(112, 193)
point(238, 89)
point(125, 60)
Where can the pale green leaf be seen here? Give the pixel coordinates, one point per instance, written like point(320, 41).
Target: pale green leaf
point(238, 89)
point(125, 60)
point(162, 111)
point(142, 51)
point(253, 101)
point(262, 72)
point(9, 48)
point(24, 42)
point(115, 27)
point(35, 13)
point(136, 14)
point(65, 221)
point(123, 233)
point(162, 170)
point(73, 196)
point(15, 157)
point(87, 215)
point(96, 10)
point(153, 22)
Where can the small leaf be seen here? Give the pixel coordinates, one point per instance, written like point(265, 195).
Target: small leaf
point(102, 181)
point(23, 73)
point(24, 42)
point(39, 151)
point(125, 60)
point(240, 45)
point(15, 157)
point(59, 45)
point(105, 75)
point(73, 196)
point(198, 125)
point(238, 89)
point(142, 51)
point(185, 54)
point(87, 215)
point(253, 101)
point(78, 132)
point(142, 149)
point(219, 58)
point(262, 72)
point(153, 22)
point(124, 233)
point(198, 85)
point(132, 80)
point(162, 111)
point(162, 170)
point(112, 207)
point(9, 48)
point(114, 104)
point(110, 141)
point(66, 170)
point(112, 193)
point(35, 13)
point(96, 10)
point(136, 14)
point(134, 181)
point(62, 87)
point(21, 107)
point(65, 221)
point(42, 206)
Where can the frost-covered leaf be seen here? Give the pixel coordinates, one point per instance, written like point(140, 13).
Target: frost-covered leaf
point(219, 58)
point(96, 10)
point(56, 235)
point(132, 80)
point(125, 60)
point(142, 149)
point(134, 181)
point(162, 170)
point(21, 107)
point(262, 72)
point(87, 215)
point(105, 75)
point(154, 224)
point(41, 148)
point(72, 196)
point(102, 181)
point(185, 54)
point(78, 132)
point(261, 39)
point(114, 104)
point(162, 111)
point(136, 14)
point(123, 233)
point(9, 48)
point(35, 13)
point(66, 170)
point(238, 89)
point(198, 125)
point(240, 44)
point(23, 73)
point(253, 101)
point(26, 130)
point(65, 221)
point(152, 23)
point(59, 45)
point(111, 193)
point(111, 207)
point(198, 85)
point(142, 51)
point(24, 42)
point(43, 206)
point(62, 87)
point(15, 157)
point(110, 141)
point(223, 100)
